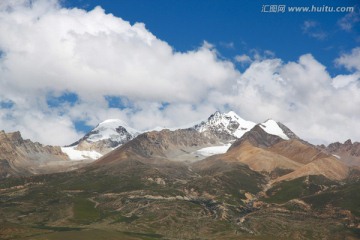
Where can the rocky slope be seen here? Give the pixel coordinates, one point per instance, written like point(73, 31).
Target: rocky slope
point(24, 157)
point(283, 159)
point(347, 152)
point(178, 145)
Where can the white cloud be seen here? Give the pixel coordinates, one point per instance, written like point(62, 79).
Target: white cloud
point(350, 20)
point(313, 29)
point(350, 61)
point(259, 55)
point(255, 55)
point(243, 59)
point(302, 95)
point(344, 80)
point(49, 50)
point(52, 49)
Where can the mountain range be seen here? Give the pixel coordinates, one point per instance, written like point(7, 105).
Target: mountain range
point(224, 128)
point(222, 178)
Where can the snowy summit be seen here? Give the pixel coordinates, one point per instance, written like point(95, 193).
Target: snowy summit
point(105, 137)
point(115, 130)
point(225, 124)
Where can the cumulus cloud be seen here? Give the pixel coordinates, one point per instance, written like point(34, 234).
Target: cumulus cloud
point(48, 49)
point(350, 61)
point(303, 95)
point(59, 66)
point(344, 80)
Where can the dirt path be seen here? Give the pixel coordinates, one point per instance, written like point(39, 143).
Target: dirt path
point(94, 201)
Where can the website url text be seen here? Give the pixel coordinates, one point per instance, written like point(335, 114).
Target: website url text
point(310, 9)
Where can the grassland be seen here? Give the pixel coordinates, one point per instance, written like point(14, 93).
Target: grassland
point(206, 204)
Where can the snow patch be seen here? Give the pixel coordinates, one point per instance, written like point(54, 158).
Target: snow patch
point(270, 126)
point(80, 155)
point(209, 151)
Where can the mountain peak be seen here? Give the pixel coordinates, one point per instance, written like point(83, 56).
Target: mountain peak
point(217, 113)
point(12, 136)
point(258, 137)
point(105, 137)
point(266, 134)
point(112, 129)
point(226, 126)
point(232, 114)
point(272, 127)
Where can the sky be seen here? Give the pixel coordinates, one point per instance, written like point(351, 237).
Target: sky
point(66, 65)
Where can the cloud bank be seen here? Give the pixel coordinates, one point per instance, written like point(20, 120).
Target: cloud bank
point(60, 66)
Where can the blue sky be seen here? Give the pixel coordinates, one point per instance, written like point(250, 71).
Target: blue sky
point(66, 65)
point(238, 26)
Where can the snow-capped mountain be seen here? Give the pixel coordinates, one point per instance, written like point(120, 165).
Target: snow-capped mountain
point(105, 137)
point(272, 127)
point(114, 130)
point(112, 133)
point(227, 126)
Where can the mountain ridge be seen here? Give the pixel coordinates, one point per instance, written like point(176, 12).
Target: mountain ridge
point(227, 127)
point(348, 151)
point(22, 157)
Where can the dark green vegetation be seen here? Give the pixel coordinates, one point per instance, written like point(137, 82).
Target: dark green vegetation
point(319, 193)
point(84, 211)
point(297, 188)
point(344, 197)
point(207, 200)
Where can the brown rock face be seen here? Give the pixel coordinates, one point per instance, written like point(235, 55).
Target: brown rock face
point(347, 152)
point(329, 167)
point(22, 157)
point(6, 170)
point(298, 151)
point(262, 152)
point(293, 158)
point(258, 138)
point(259, 159)
point(166, 144)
